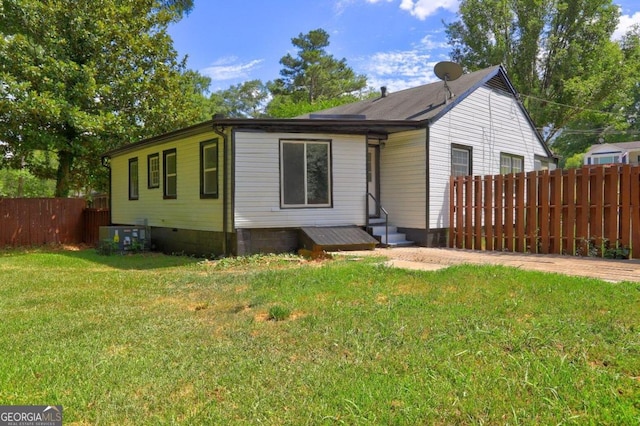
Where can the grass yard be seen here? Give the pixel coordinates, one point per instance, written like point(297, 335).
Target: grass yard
point(153, 339)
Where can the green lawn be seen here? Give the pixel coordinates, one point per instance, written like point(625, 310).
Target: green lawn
point(152, 339)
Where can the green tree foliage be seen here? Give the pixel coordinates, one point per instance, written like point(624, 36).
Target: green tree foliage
point(312, 76)
point(575, 161)
point(286, 107)
point(79, 77)
point(22, 183)
point(245, 100)
point(559, 55)
point(614, 121)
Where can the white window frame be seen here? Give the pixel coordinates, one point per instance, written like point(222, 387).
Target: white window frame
point(204, 170)
point(507, 163)
point(153, 172)
point(468, 151)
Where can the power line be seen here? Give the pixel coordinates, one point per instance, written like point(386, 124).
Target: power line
point(572, 106)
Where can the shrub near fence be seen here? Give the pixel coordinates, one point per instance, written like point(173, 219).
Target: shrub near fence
point(593, 211)
point(43, 221)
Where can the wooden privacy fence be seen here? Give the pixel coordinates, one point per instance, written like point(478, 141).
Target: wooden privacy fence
point(42, 221)
point(593, 211)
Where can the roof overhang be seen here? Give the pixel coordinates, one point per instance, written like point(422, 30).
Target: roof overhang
point(322, 125)
point(373, 128)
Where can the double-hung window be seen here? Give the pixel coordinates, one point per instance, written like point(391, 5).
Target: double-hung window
point(133, 179)
point(460, 160)
point(153, 171)
point(510, 163)
point(209, 169)
point(170, 174)
point(305, 173)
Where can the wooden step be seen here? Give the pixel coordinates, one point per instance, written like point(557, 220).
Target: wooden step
point(336, 238)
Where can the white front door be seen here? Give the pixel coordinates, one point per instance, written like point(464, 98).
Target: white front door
point(373, 176)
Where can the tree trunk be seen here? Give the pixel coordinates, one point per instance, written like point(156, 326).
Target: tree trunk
point(65, 161)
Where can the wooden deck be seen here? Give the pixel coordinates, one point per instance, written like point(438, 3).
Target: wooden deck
point(337, 238)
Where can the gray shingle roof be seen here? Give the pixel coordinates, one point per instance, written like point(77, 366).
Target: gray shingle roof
point(622, 146)
point(419, 103)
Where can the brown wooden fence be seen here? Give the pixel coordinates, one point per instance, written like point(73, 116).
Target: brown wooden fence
point(593, 211)
point(42, 221)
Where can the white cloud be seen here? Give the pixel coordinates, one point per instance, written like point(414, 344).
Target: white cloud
point(229, 68)
point(428, 43)
point(422, 9)
point(625, 24)
point(399, 69)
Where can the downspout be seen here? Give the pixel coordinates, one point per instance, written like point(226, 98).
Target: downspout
point(106, 162)
point(219, 130)
point(427, 183)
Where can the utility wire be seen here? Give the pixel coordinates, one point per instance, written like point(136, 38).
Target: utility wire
point(570, 106)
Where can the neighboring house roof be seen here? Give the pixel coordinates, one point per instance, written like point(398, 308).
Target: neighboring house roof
point(404, 110)
point(614, 147)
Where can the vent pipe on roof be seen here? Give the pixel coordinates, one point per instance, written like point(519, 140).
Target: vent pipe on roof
point(383, 91)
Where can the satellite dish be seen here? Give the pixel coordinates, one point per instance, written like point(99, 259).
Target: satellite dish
point(448, 71)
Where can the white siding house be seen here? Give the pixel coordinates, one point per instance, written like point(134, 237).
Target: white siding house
point(499, 129)
point(613, 153)
point(258, 185)
point(253, 185)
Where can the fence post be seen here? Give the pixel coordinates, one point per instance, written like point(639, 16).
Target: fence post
point(624, 210)
point(499, 212)
point(555, 232)
point(611, 203)
point(460, 212)
point(488, 213)
point(477, 213)
point(468, 212)
point(521, 243)
point(532, 230)
point(583, 181)
point(452, 211)
point(596, 215)
point(569, 212)
point(635, 212)
point(509, 216)
point(543, 211)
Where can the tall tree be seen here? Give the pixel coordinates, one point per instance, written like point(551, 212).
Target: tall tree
point(245, 100)
point(615, 120)
point(79, 77)
point(313, 75)
point(558, 53)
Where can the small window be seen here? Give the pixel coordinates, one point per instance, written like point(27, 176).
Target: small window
point(133, 179)
point(209, 169)
point(461, 160)
point(606, 159)
point(153, 171)
point(170, 174)
point(305, 173)
point(510, 163)
point(543, 163)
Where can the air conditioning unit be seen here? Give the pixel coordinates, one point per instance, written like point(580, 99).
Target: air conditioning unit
point(126, 238)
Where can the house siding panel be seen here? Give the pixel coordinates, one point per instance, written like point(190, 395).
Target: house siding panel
point(403, 178)
point(257, 182)
point(490, 122)
point(187, 211)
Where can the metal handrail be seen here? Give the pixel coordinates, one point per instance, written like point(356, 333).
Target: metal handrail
point(379, 207)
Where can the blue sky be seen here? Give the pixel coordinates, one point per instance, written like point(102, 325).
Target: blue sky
point(395, 43)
